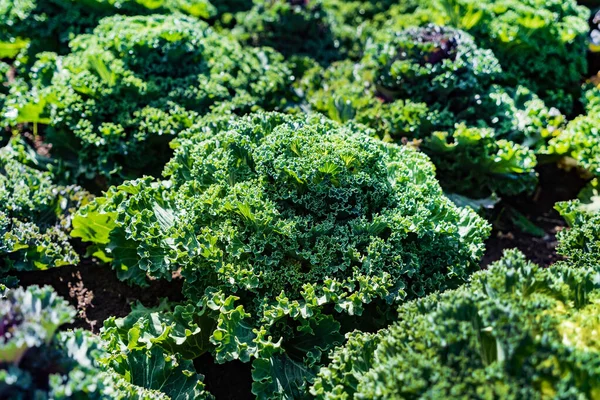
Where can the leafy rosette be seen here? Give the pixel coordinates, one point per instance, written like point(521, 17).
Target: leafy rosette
point(126, 90)
point(177, 329)
point(428, 84)
point(540, 44)
point(37, 362)
point(155, 347)
point(35, 213)
point(431, 64)
point(515, 331)
point(486, 164)
point(288, 232)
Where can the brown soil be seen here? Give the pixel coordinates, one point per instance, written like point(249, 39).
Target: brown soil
point(555, 185)
point(540, 250)
point(97, 293)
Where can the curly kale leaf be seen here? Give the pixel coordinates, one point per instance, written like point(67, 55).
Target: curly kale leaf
point(541, 44)
point(430, 64)
point(156, 371)
point(80, 356)
point(580, 140)
point(515, 331)
point(293, 27)
point(580, 243)
point(29, 318)
point(153, 348)
point(179, 329)
point(501, 166)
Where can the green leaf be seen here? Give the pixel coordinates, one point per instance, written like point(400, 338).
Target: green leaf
point(177, 329)
point(280, 377)
point(154, 370)
point(524, 224)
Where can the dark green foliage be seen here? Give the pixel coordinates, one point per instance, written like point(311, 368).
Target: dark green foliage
point(293, 27)
point(35, 213)
point(417, 83)
point(295, 234)
point(516, 331)
point(431, 65)
point(4, 84)
point(580, 139)
point(176, 329)
point(277, 221)
point(349, 19)
point(232, 6)
point(127, 89)
point(540, 44)
point(50, 24)
point(355, 12)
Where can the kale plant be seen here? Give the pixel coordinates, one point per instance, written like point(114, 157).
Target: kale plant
point(293, 27)
point(126, 90)
point(580, 140)
point(581, 243)
point(540, 44)
point(50, 24)
point(286, 230)
point(515, 331)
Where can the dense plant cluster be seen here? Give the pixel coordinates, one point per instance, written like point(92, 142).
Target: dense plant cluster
point(581, 139)
point(581, 243)
point(293, 27)
point(322, 30)
point(319, 177)
point(49, 25)
point(515, 331)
